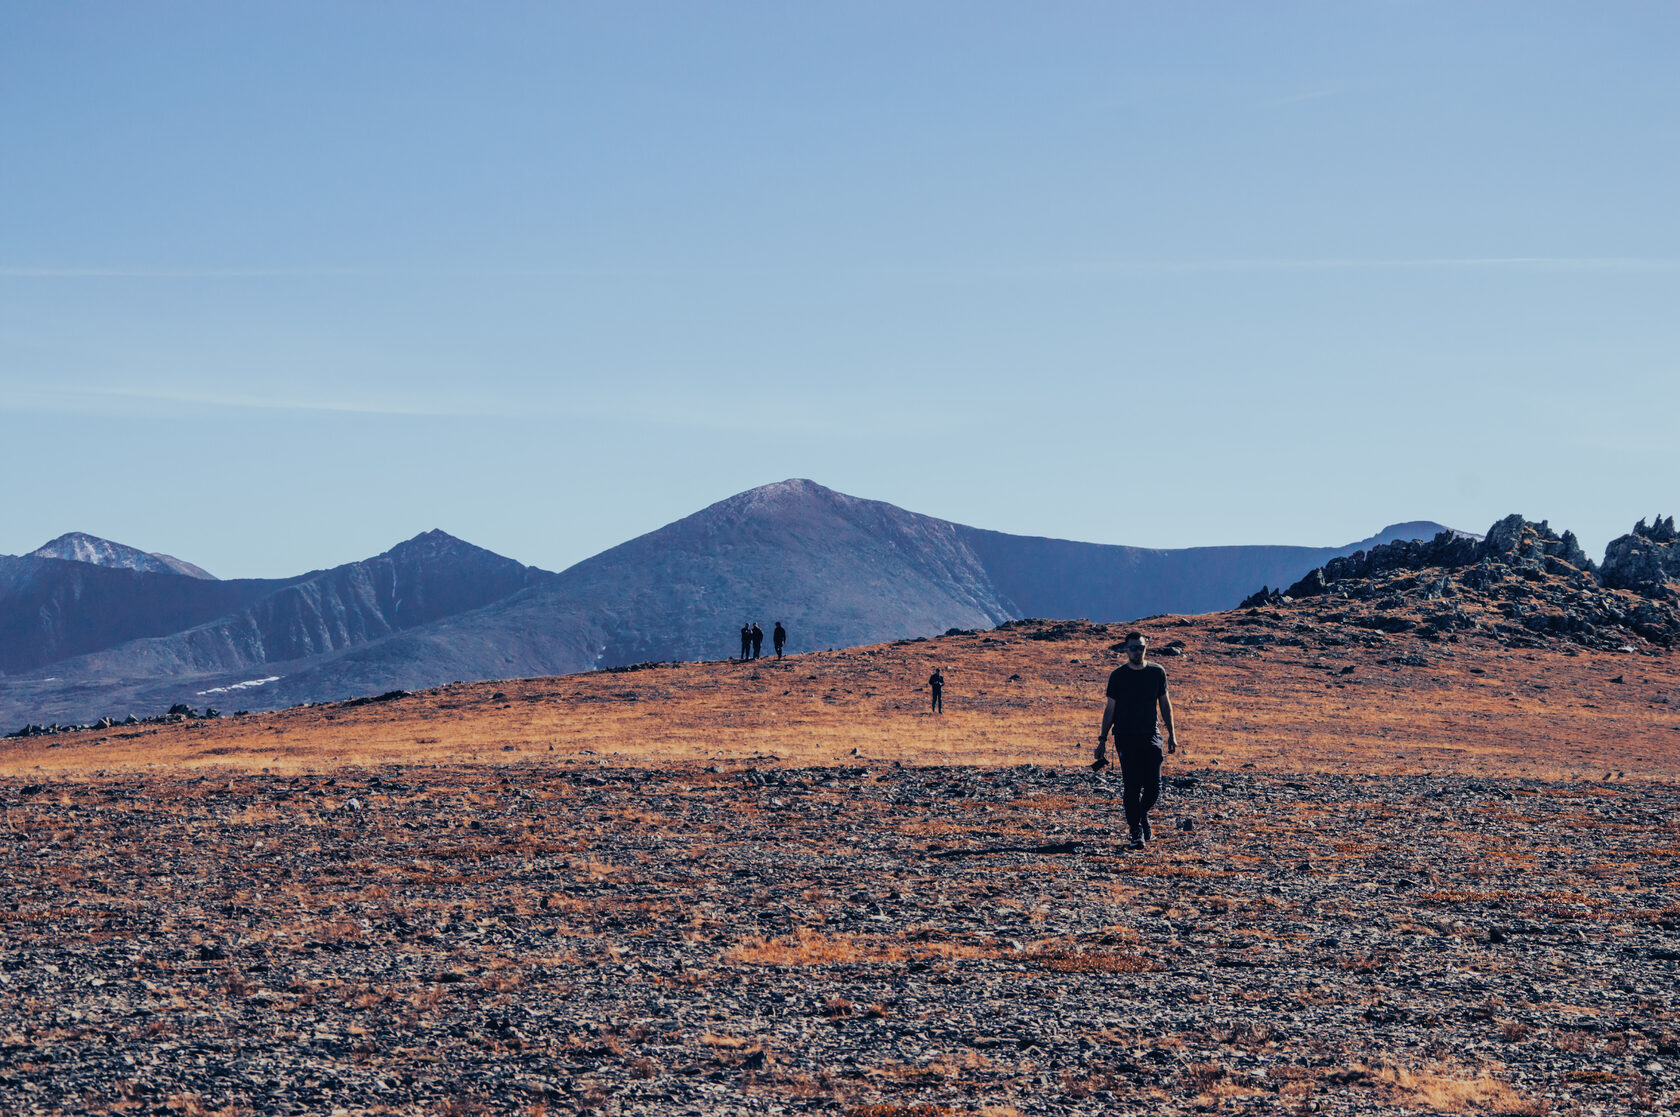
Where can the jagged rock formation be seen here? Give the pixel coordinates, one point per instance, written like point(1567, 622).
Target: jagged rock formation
point(1522, 582)
point(1646, 560)
point(77, 546)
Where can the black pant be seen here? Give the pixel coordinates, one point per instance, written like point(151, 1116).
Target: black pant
point(938, 700)
point(1140, 771)
point(778, 649)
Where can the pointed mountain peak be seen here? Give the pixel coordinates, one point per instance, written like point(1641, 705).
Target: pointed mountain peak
point(794, 490)
point(79, 546)
point(435, 545)
point(793, 496)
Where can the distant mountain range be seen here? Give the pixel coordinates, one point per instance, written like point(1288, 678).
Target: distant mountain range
point(91, 628)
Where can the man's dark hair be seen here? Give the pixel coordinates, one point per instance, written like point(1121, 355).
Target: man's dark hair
point(1138, 636)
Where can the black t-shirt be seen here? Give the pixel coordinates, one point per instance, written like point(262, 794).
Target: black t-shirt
point(936, 681)
point(1135, 693)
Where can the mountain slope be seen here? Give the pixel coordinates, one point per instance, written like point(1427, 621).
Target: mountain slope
point(1061, 578)
point(52, 609)
point(416, 582)
point(290, 627)
point(836, 569)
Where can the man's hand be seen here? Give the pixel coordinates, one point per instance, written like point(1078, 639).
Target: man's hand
point(1172, 743)
point(1101, 761)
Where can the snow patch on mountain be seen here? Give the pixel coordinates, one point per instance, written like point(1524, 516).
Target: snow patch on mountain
point(78, 546)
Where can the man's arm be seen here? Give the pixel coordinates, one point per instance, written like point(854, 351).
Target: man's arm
point(1102, 738)
point(1166, 719)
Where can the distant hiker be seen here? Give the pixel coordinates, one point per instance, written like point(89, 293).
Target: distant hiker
point(936, 683)
point(746, 642)
point(757, 639)
point(779, 636)
point(1135, 690)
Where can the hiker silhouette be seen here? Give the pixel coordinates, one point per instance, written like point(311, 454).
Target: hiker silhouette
point(746, 642)
point(936, 683)
point(779, 637)
point(757, 639)
point(1136, 691)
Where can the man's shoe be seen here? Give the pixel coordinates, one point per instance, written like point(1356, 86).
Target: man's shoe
point(1137, 843)
point(1146, 835)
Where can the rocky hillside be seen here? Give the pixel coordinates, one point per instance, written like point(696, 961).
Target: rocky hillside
point(1522, 583)
point(856, 940)
point(78, 546)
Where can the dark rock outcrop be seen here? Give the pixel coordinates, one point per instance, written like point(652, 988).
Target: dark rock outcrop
point(1522, 581)
point(1646, 560)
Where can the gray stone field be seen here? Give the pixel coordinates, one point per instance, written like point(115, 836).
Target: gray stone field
point(843, 940)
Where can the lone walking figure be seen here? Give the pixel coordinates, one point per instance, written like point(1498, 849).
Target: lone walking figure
point(779, 637)
point(936, 683)
point(1136, 689)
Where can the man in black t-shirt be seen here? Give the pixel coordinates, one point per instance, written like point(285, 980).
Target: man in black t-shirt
point(1135, 691)
point(936, 683)
point(779, 636)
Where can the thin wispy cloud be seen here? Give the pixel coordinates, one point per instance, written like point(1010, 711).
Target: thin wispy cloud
point(182, 273)
point(9, 272)
point(1604, 265)
point(79, 398)
point(1431, 263)
point(1115, 267)
point(590, 406)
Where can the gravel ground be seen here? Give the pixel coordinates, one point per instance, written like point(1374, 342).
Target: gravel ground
point(531, 939)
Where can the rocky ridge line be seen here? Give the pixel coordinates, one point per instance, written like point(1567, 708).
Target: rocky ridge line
point(1523, 584)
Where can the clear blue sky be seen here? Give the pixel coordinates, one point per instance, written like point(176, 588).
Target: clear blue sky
point(284, 284)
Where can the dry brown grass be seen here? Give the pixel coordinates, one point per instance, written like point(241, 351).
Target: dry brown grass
point(806, 947)
point(1281, 711)
point(1451, 1090)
